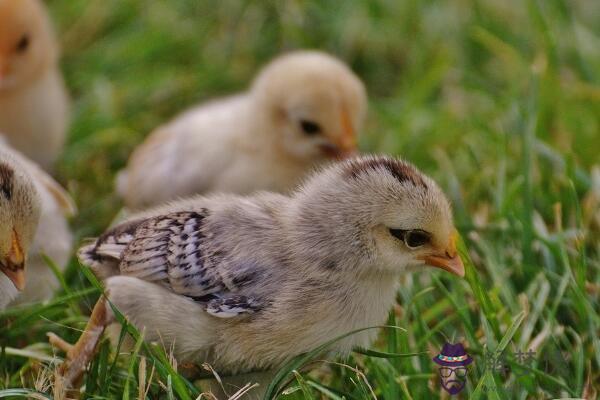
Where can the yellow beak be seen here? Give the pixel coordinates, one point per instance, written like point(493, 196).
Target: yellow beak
point(3, 69)
point(348, 140)
point(345, 145)
point(448, 260)
point(14, 265)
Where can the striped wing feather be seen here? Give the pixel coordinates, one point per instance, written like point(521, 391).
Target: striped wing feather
point(170, 250)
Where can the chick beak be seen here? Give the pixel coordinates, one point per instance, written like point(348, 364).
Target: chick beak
point(348, 139)
point(345, 146)
point(3, 69)
point(448, 260)
point(14, 265)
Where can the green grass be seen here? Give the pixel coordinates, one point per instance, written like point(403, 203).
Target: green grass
point(498, 100)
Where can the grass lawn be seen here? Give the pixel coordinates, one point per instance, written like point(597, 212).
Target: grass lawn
point(498, 100)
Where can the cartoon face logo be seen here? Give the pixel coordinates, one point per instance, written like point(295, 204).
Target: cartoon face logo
point(453, 361)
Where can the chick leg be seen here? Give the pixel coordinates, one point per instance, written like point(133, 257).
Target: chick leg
point(151, 309)
point(59, 343)
point(80, 354)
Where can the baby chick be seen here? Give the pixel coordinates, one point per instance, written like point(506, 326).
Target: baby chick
point(52, 236)
point(33, 100)
point(20, 206)
point(247, 283)
point(304, 108)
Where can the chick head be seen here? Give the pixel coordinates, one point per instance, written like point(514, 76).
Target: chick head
point(377, 214)
point(27, 44)
point(313, 102)
point(20, 206)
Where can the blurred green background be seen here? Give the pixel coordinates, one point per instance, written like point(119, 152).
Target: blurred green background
point(499, 100)
point(454, 85)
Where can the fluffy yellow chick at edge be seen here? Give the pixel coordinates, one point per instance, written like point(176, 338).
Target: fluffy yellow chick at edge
point(34, 105)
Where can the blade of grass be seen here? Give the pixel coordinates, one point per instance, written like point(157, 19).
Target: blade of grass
point(299, 361)
point(383, 354)
point(132, 363)
point(477, 288)
point(303, 385)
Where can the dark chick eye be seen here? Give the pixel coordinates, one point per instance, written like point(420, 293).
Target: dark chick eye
point(398, 233)
point(416, 238)
point(309, 127)
point(411, 238)
point(6, 190)
point(23, 43)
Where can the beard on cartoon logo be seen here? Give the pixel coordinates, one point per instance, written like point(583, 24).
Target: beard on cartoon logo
point(453, 361)
point(453, 384)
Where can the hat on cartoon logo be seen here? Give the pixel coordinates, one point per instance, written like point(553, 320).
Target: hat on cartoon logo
point(452, 361)
point(453, 355)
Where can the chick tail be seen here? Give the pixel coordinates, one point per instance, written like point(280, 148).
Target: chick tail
point(103, 267)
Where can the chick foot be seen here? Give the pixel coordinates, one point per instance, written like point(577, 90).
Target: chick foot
point(79, 355)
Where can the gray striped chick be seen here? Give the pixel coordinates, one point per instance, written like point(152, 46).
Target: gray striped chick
point(302, 110)
point(247, 283)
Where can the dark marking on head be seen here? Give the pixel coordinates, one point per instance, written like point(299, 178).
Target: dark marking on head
point(401, 171)
point(7, 175)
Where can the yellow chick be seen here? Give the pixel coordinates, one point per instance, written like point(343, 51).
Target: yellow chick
point(23, 183)
point(20, 208)
point(34, 105)
point(302, 110)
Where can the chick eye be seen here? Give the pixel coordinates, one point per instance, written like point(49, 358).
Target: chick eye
point(309, 127)
point(416, 238)
point(411, 238)
point(6, 190)
point(23, 43)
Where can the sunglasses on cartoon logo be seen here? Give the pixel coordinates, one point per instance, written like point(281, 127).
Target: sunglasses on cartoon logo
point(460, 372)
